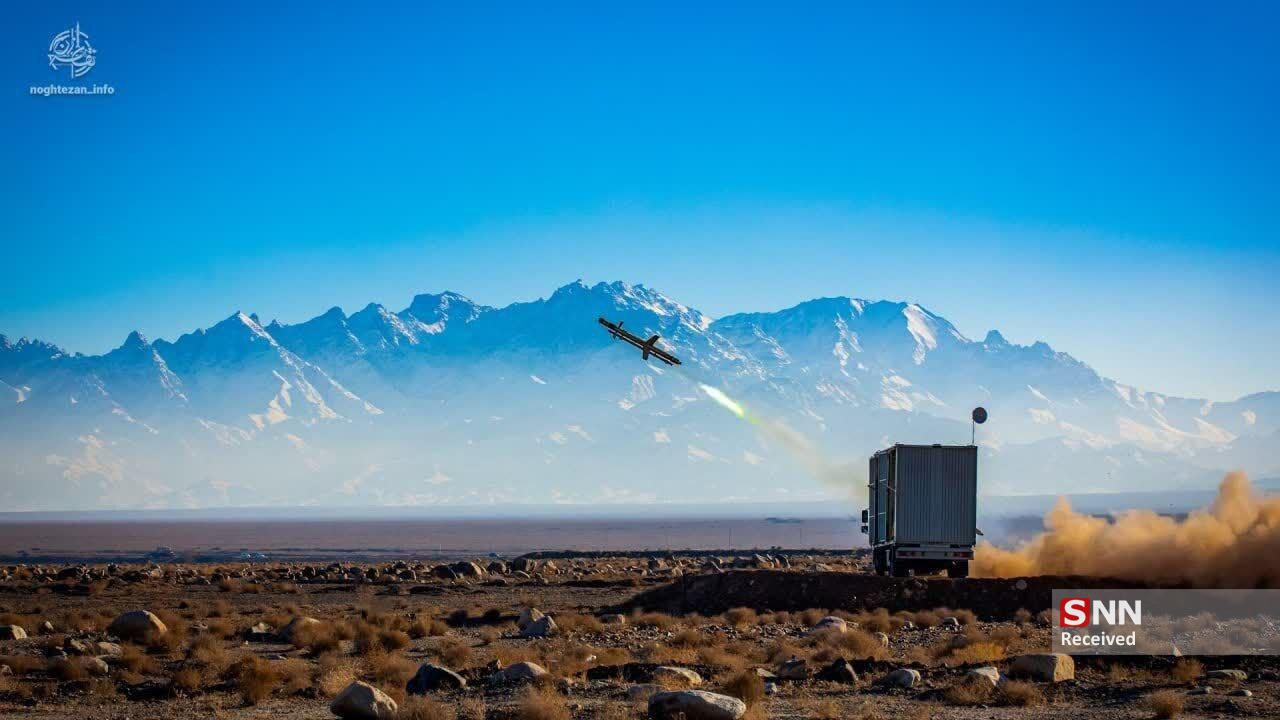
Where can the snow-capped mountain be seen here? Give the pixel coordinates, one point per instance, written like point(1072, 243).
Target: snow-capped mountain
point(451, 402)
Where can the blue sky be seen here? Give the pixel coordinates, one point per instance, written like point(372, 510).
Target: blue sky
point(1103, 178)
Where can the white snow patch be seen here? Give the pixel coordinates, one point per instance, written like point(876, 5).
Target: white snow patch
point(697, 453)
point(1080, 435)
point(1041, 417)
point(921, 328)
point(642, 389)
point(1250, 417)
point(661, 436)
point(1124, 392)
point(1213, 433)
point(751, 458)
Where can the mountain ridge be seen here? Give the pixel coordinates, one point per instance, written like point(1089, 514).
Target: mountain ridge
point(448, 401)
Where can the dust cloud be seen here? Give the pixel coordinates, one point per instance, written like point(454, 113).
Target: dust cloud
point(1234, 543)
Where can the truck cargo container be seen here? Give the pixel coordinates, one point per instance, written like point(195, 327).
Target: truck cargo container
point(922, 509)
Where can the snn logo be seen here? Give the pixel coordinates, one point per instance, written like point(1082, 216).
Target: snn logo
point(1081, 611)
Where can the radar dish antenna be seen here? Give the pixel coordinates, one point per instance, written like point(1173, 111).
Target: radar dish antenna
point(979, 416)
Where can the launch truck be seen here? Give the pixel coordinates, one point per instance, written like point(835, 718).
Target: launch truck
point(922, 509)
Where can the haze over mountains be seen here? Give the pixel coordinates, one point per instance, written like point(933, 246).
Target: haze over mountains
point(448, 402)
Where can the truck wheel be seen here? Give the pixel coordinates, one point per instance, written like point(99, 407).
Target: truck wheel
point(958, 570)
point(878, 562)
point(901, 569)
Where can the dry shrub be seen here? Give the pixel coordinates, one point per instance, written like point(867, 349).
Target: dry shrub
point(333, 676)
point(877, 621)
point(780, 650)
point(541, 703)
point(1023, 616)
point(391, 669)
point(372, 638)
point(853, 644)
point(613, 656)
point(689, 638)
point(747, 686)
point(427, 627)
point(22, 664)
point(490, 635)
point(13, 689)
point(1004, 636)
point(969, 692)
point(394, 639)
point(169, 642)
point(366, 637)
point(221, 628)
point(455, 653)
point(240, 587)
point(919, 655)
point(416, 707)
point(1165, 704)
point(79, 620)
point(978, 652)
point(51, 643)
point(255, 679)
point(26, 622)
point(187, 679)
point(972, 646)
point(926, 619)
point(1019, 694)
point(208, 651)
point(133, 659)
point(573, 659)
point(318, 638)
point(811, 616)
point(666, 655)
point(295, 676)
point(472, 708)
point(68, 670)
point(571, 622)
point(741, 617)
point(1187, 669)
point(720, 657)
point(104, 690)
point(662, 621)
point(822, 710)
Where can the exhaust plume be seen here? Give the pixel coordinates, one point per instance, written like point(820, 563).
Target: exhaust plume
point(794, 442)
point(1234, 543)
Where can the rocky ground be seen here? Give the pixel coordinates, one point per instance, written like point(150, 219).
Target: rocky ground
point(715, 637)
